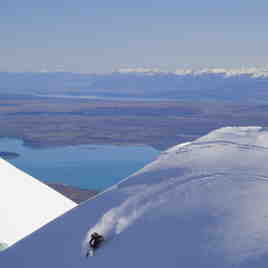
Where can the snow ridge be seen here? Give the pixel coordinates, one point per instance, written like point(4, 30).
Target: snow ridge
point(227, 72)
point(199, 204)
point(26, 204)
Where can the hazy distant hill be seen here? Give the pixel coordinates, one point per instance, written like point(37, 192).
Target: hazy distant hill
point(209, 84)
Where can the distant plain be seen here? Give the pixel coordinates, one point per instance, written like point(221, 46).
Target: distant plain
point(49, 122)
point(54, 111)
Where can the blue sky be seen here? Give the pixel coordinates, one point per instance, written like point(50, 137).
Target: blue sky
point(100, 36)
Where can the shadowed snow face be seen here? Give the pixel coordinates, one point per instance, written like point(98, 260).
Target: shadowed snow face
point(200, 204)
point(217, 198)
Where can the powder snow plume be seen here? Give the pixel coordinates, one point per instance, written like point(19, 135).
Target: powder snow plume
point(117, 219)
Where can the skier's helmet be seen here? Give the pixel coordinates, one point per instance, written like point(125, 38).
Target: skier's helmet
point(95, 234)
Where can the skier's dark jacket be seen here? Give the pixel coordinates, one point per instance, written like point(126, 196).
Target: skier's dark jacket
point(95, 240)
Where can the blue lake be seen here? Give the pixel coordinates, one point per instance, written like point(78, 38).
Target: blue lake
point(85, 166)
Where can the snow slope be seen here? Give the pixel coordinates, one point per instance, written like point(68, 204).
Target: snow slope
point(200, 204)
point(26, 204)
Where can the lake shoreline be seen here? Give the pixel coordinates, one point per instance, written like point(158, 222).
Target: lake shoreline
point(39, 145)
point(76, 194)
point(9, 155)
point(87, 166)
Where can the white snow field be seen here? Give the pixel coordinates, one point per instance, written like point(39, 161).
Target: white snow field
point(26, 204)
point(200, 204)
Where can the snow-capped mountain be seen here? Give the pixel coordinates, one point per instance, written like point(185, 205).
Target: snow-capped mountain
point(234, 84)
point(26, 204)
point(227, 72)
point(200, 204)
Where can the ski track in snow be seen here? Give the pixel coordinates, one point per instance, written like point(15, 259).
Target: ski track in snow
point(117, 219)
point(149, 197)
point(209, 196)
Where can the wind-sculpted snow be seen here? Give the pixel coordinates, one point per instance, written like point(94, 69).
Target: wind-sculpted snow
point(200, 204)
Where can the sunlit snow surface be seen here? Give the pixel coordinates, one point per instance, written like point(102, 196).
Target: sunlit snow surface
point(26, 204)
point(200, 204)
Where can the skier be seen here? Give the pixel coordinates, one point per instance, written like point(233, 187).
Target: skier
point(94, 243)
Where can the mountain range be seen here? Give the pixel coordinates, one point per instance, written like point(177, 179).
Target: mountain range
point(241, 84)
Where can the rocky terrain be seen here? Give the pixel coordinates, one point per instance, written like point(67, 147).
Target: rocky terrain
point(75, 194)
